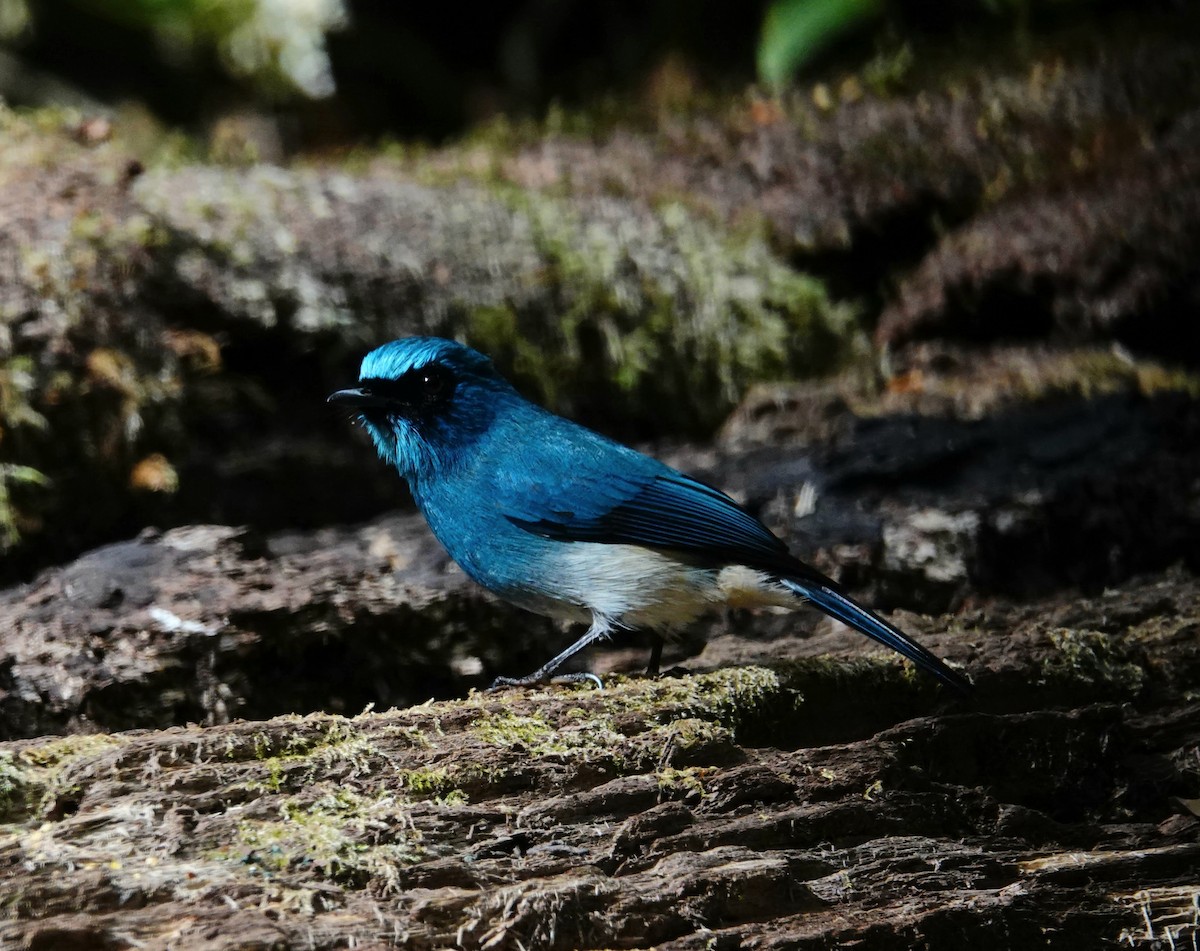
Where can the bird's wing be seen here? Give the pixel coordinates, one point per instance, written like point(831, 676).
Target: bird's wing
point(663, 509)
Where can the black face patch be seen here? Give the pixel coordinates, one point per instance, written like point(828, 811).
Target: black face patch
point(415, 392)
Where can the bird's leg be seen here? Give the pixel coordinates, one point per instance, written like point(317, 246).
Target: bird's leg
point(600, 629)
point(655, 657)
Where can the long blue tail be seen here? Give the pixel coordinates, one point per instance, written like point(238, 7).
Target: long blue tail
point(848, 611)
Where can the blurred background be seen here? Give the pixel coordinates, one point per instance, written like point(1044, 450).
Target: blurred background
point(312, 74)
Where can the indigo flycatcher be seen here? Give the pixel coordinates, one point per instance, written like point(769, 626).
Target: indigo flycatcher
point(565, 522)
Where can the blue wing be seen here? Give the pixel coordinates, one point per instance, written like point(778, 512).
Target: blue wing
point(664, 510)
point(576, 485)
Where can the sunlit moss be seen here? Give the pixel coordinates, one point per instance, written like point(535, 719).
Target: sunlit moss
point(734, 698)
point(340, 835)
point(681, 783)
point(292, 760)
point(428, 781)
point(35, 775)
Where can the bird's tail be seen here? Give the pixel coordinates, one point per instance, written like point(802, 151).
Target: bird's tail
point(845, 609)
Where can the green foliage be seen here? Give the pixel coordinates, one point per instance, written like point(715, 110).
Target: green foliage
point(795, 30)
point(14, 475)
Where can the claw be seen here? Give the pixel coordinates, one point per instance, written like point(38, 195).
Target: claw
point(542, 678)
point(582, 678)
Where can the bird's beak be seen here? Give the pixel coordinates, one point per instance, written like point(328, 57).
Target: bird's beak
point(359, 399)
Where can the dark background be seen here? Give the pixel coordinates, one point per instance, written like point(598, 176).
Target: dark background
point(430, 71)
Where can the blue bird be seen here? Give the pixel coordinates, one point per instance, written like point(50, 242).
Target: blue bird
point(562, 521)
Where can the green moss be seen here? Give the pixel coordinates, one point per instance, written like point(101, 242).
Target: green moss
point(264, 745)
point(1092, 658)
point(1019, 375)
point(510, 729)
point(35, 775)
point(111, 386)
point(341, 835)
point(689, 742)
point(13, 478)
point(19, 794)
point(681, 783)
point(659, 308)
point(631, 726)
point(691, 733)
point(581, 738)
point(738, 699)
point(452, 799)
point(889, 70)
point(1091, 373)
point(439, 783)
point(61, 752)
point(290, 761)
point(1098, 372)
point(429, 781)
point(18, 419)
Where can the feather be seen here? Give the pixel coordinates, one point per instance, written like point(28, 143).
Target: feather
point(670, 510)
point(839, 605)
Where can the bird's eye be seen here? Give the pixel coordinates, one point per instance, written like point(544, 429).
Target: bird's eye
point(436, 385)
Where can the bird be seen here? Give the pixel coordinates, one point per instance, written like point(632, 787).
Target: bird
point(565, 522)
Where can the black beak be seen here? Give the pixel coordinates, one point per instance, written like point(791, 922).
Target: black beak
point(360, 399)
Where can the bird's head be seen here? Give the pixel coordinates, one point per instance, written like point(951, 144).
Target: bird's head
point(425, 400)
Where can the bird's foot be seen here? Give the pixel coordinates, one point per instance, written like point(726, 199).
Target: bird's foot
point(542, 677)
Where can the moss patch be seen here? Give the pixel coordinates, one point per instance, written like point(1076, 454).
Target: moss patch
point(33, 777)
point(1092, 658)
point(659, 309)
point(341, 835)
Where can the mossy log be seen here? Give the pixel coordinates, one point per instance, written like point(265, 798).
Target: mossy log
point(804, 803)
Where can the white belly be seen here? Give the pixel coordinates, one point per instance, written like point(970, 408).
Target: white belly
point(637, 588)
